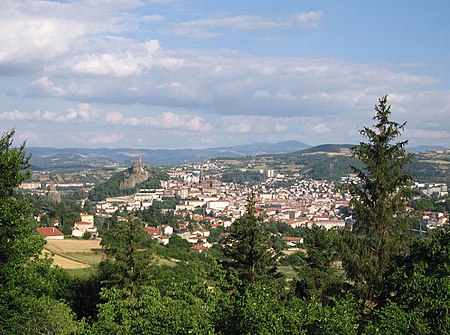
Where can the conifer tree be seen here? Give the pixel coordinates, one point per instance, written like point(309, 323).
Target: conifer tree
point(380, 231)
point(248, 246)
point(129, 255)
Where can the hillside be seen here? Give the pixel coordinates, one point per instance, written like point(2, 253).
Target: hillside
point(44, 158)
point(432, 167)
point(127, 182)
point(333, 161)
point(344, 149)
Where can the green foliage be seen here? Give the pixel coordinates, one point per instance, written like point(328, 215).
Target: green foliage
point(392, 319)
point(248, 247)
point(152, 313)
point(242, 177)
point(428, 172)
point(433, 203)
point(129, 255)
point(324, 167)
point(342, 317)
point(317, 276)
point(112, 188)
point(14, 163)
point(18, 242)
point(422, 281)
point(295, 259)
point(215, 233)
point(378, 203)
point(87, 235)
point(83, 295)
point(266, 309)
point(178, 246)
point(155, 216)
point(64, 212)
point(283, 228)
point(29, 287)
point(321, 246)
point(25, 314)
point(258, 311)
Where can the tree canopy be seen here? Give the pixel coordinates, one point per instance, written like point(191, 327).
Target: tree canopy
point(248, 246)
point(381, 228)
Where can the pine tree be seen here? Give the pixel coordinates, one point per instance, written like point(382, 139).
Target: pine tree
point(380, 231)
point(248, 247)
point(129, 255)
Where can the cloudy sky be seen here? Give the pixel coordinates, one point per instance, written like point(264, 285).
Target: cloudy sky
point(204, 73)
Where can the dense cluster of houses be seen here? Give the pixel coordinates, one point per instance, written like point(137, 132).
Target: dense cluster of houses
point(206, 203)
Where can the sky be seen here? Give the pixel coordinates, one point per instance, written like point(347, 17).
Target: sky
point(165, 74)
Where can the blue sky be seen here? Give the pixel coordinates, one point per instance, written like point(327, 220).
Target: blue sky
point(177, 74)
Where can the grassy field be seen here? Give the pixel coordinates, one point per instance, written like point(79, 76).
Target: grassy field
point(79, 256)
point(73, 254)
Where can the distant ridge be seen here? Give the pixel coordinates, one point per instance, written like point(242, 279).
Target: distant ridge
point(82, 157)
point(425, 148)
point(329, 148)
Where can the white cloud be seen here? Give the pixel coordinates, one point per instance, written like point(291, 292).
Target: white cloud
point(33, 33)
point(19, 116)
point(152, 18)
point(206, 28)
point(126, 63)
point(81, 113)
point(267, 124)
point(35, 38)
point(321, 128)
point(307, 20)
point(44, 86)
point(84, 112)
point(428, 134)
point(231, 83)
point(166, 120)
point(94, 53)
point(101, 138)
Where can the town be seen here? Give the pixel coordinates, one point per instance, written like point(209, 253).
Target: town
point(203, 203)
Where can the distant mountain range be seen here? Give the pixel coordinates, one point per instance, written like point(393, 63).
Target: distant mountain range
point(43, 158)
point(425, 148)
point(333, 161)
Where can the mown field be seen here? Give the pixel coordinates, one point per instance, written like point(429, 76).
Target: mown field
point(74, 255)
point(79, 257)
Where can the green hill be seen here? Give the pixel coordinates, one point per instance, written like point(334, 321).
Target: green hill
point(128, 182)
point(333, 161)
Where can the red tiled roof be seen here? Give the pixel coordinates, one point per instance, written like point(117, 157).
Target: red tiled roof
point(49, 231)
point(198, 247)
point(292, 239)
point(152, 230)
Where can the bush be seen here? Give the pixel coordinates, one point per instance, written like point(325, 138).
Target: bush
point(87, 235)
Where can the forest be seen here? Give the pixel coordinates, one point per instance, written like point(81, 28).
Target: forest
point(376, 278)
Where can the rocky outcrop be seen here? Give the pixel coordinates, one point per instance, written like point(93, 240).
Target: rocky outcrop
point(138, 173)
point(53, 193)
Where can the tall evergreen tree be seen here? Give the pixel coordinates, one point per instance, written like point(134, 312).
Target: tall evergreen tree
point(249, 248)
point(129, 255)
point(378, 202)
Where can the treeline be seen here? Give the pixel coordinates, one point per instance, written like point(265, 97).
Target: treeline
point(242, 177)
point(430, 172)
